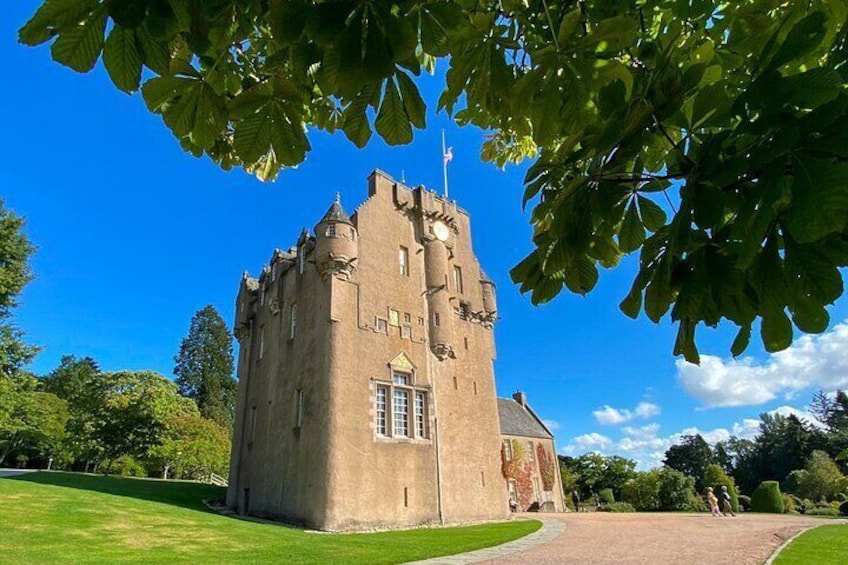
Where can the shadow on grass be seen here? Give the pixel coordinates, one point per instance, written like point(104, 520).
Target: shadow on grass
point(176, 493)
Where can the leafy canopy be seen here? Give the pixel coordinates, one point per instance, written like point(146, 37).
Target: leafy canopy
point(712, 136)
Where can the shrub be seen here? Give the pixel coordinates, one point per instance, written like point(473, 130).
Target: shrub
point(642, 491)
point(606, 496)
point(792, 484)
point(767, 498)
point(744, 502)
point(822, 478)
point(789, 504)
point(126, 466)
point(618, 507)
point(825, 511)
point(843, 508)
point(676, 490)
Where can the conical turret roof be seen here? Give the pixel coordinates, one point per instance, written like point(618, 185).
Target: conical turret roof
point(336, 213)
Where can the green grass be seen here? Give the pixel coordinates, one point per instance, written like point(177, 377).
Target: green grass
point(74, 518)
point(823, 545)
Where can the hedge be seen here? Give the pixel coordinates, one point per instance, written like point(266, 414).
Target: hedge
point(767, 498)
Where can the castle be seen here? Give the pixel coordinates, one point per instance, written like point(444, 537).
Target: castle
point(366, 391)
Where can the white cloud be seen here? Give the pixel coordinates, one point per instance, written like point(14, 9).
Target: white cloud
point(812, 361)
point(552, 425)
point(586, 442)
point(609, 416)
point(802, 415)
point(647, 410)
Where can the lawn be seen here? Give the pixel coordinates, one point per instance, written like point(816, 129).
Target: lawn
point(74, 518)
point(823, 545)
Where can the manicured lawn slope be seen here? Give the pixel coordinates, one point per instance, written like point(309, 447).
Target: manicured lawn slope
point(824, 545)
point(73, 518)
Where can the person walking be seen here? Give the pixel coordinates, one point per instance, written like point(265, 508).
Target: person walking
point(713, 502)
point(726, 506)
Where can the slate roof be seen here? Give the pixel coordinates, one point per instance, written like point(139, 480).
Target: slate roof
point(516, 421)
point(336, 213)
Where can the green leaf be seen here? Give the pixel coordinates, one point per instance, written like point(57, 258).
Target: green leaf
point(776, 331)
point(159, 91)
point(582, 276)
point(153, 53)
point(287, 137)
point(809, 315)
point(252, 138)
point(685, 342)
point(52, 16)
point(412, 102)
point(659, 294)
point(813, 88)
point(743, 338)
point(653, 217)
point(355, 125)
point(805, 36)
point(122, 59)
point(632, 233)
point(78, 47)
point(392, 123)
point(210, 117)
point(128, 13)
point(819, 199)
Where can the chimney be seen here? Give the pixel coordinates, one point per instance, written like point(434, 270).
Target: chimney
point(520, 398)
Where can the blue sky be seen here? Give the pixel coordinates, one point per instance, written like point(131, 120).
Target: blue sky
point(134, 236)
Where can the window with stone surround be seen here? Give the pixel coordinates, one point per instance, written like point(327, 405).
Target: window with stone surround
point(293, 321)
point(400, 407)
point(403, 261)
point(457, 279)
point(507, 449)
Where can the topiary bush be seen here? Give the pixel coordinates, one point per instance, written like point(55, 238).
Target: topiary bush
point(618, 507)
point(843, 508)
point(606, 496)
point(676, 490)
point(767, 498)
point(744, 503)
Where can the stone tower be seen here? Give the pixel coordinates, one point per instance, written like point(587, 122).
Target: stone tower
point(366, 389)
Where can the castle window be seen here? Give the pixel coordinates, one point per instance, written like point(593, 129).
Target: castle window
point(380, 405)
point(463, 311)
point(531, 455)
point(293, 321)
point(261, 341)
point(382, 325)
point(407, 318)
point(400, 407)
point(331, 230)
point(298, 411)
point(405, 332)
point(403, 260)
point(400, 379)
point(252, 433)
point(436, 319)
point(457, 279)
point(507, 450)
point(513, 491)
point(262, 297)
point(301, 258)
point(420, 424)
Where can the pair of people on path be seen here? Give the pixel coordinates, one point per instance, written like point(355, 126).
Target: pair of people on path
point(725, 502)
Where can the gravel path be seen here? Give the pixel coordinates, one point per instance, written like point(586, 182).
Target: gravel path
point(637, 539)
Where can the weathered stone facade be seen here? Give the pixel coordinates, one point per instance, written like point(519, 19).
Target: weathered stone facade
point(366, 388)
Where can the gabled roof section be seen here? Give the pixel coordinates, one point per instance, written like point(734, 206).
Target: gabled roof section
point(518, 421)
point(336, 213)
point(402, 362)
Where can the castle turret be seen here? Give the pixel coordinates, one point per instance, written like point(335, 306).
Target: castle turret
point(336, 247)
point(490, 305)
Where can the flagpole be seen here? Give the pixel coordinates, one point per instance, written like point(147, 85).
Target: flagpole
point(445, 163)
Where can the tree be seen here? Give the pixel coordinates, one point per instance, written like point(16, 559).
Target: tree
point(736, 109)
point(822, 479)
point(193, 447)
point(15, 273)
point(204, 367)
point(714, 476)
point(594, 472)
point(691, 457)
point(80, 383)
point(32, 423)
